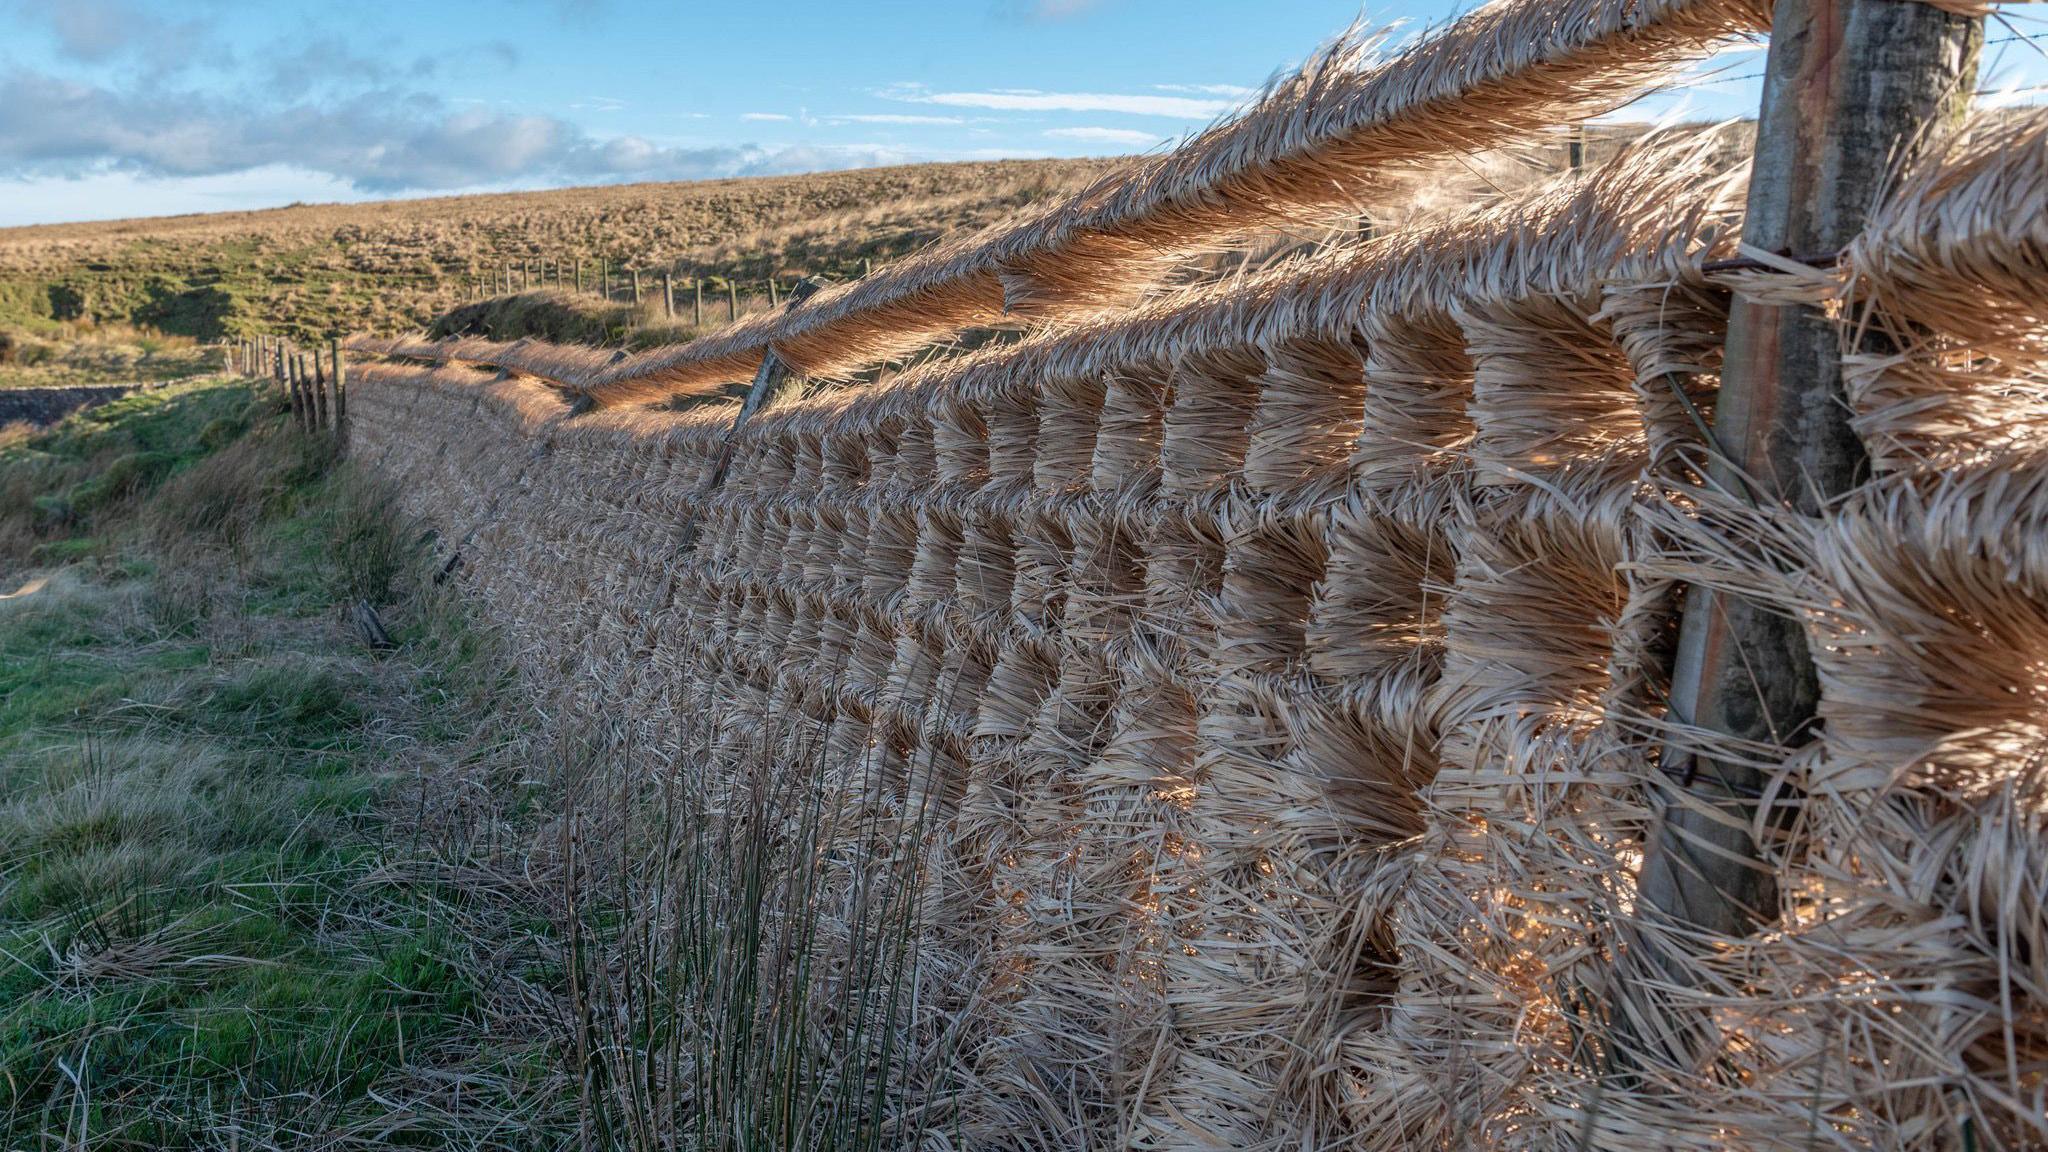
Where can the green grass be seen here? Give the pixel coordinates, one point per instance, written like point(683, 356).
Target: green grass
point(223, 922)
point(97, 354)
point(263, 887)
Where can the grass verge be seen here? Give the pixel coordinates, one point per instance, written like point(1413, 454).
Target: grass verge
point(238, 906)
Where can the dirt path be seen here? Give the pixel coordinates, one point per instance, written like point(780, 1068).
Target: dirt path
point(44, 406)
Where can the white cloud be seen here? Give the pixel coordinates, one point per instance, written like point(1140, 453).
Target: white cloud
point(763, 116)
point(1234, 91)
point(893, 118)
point(1096, 135)
point(1031, 100)
point(1048, 9)
point(373, 142)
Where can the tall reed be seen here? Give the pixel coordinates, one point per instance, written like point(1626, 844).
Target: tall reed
point(744, 944)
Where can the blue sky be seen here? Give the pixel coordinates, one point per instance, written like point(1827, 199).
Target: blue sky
point(115, 108)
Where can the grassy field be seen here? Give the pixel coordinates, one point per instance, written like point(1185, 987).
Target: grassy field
point(100, 354)
point(246, 899)
point(263, 885)
point(320, 270)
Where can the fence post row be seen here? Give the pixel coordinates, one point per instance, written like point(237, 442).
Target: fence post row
point(1879, 74)
point(317, 392)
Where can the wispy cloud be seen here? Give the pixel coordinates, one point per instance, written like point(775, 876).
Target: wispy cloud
point(380, 141)
point(599, 104)
point(100, 31)
point(1098, 135)
point(892, 118)
point(763, 116)
point(1234, 91)
point(1044, 9)
point(1033, 100)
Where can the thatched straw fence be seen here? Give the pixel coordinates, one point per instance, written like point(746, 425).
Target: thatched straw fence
point(1287, 661)
point(1273, 674)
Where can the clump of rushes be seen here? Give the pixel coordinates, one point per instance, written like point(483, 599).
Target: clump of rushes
point(746, 972)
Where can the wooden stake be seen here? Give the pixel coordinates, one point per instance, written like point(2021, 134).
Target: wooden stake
point(291, 381)
point(319, 393)
point(668, 296)
point(774, 294)
point(773, 383)
point(1850, 88)
point(697, 302)
point(636, 287)
point(341, 384)
point(732, 301)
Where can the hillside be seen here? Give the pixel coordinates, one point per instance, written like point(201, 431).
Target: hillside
point(310, 270)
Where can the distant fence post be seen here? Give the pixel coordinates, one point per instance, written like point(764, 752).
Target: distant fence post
point(697, 301)
point(636, 286)
point(774, 294)
point(668, 295)
point(319, 392)
point(289, 365)
point(732, 301)
point(340, 387)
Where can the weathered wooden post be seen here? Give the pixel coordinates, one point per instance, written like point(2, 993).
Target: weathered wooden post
point(289, 366)
point(774, 294)
point(1850, 89)
point(697, 301)
point(732, 301)
point(636, 287)
point(340, 387)
point(319, 393)
point(773, 382)
point(668, 296)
